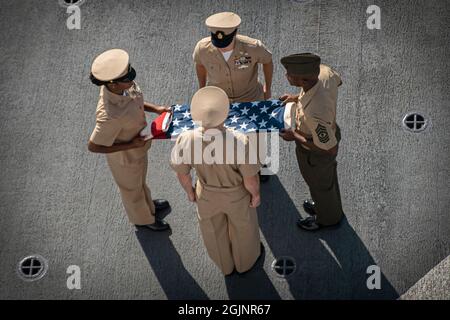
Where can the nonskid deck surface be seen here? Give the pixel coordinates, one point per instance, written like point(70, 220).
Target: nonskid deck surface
point(59, 201)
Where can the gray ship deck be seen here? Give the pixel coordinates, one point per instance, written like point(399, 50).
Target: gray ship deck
point(59, 201)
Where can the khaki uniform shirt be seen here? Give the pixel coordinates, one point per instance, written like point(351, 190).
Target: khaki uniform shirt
point(225, 175)
point(315, 114)
point(238, 76)
point(119, 120)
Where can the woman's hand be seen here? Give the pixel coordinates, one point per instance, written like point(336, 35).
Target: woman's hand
point(162, 109)
point(150, 107)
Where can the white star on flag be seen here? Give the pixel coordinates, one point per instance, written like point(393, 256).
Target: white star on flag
point(186, 114)
point(245, 117)
point(244, 125)
point(273, 114)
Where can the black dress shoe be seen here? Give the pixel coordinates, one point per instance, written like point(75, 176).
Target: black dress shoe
point(310, 224)
point(159, 225)
point(162, 212)
point(308, 206)
point(161, 204)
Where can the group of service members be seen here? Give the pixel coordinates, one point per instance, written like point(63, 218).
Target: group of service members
point(227, 194)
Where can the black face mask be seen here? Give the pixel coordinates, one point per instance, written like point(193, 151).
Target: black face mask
point(220, 40)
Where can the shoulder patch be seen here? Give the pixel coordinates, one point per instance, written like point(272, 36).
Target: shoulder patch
point(322, 133)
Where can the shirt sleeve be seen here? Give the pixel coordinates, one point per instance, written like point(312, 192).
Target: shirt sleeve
point(196, 54)
point(249, 170)
point(265, 56)
point(322, 133)
point(177, 161)
point(106, 131)
point(181, 168)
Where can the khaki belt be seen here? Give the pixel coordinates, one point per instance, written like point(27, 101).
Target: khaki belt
point(205, 187)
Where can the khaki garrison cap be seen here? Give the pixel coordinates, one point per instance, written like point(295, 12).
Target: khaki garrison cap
point(301, 63)
point(209, 107)
point(226, 22)
point(110, 65)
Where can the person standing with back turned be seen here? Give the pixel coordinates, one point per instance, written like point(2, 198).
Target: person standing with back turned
point(227, 189)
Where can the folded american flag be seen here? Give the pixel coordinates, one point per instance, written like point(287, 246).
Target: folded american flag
point(244, 117)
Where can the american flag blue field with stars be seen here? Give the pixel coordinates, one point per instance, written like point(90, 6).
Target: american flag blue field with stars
point(244, 117)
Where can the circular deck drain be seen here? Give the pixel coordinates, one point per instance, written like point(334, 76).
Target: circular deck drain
point(68, 3)
point(415, 122)
point(32, 268)
point(284, 266)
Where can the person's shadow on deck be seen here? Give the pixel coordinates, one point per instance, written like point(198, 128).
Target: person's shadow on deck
point(166, 263)
point(331, 263)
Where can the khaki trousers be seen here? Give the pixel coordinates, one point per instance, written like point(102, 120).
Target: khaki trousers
point(135, 194)
point(229, 227)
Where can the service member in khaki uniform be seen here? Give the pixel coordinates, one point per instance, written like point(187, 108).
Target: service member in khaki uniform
point(120, 118)
point(317, 136)
point(230, 61)
point(226, 192)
